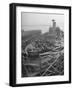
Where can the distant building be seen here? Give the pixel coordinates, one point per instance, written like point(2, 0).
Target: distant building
point(53, 28)
point(53, 31)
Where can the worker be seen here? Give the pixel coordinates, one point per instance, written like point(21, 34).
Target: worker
point(30, 47)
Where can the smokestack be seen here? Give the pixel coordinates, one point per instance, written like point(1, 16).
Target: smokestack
point(54, 23)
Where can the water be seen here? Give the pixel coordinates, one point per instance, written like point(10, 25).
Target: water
point(42, 28)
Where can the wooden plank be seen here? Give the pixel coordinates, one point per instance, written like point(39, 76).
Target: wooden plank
point(49, 67)
point(31, 64)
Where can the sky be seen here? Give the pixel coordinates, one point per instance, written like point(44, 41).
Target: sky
point(40, 21)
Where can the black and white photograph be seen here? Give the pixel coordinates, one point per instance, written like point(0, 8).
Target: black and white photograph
point(42, 44)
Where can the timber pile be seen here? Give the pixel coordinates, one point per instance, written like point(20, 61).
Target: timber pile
point(50, 59)
point(47, 64)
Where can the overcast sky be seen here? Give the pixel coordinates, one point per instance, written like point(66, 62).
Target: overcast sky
point(37, 21)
